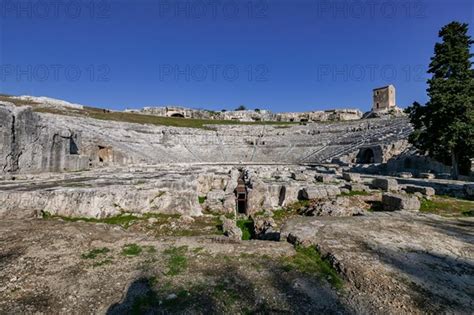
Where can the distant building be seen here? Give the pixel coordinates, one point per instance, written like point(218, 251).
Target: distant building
point(384, 98)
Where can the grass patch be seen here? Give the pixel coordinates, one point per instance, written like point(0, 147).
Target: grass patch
point(176, 260)
point(448, 206)
point(202, 199)
point(93, 253)
point(131, 250)
point(281, 214)
point(246, 225)
point(309, 261)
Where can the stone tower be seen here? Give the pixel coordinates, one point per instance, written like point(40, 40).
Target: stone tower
point(384, 98)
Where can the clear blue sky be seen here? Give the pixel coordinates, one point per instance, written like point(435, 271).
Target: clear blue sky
point(284, 55)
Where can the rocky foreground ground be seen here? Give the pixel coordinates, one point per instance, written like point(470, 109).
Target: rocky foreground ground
point(380, 263)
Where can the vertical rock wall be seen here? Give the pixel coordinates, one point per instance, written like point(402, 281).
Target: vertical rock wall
point(29, 145)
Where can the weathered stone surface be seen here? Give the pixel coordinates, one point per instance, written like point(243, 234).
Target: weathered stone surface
point(351, 177)
point(265, 229)
point(357, 187)
point(31, 144)
point(299, 176)
point(393, 202)
point(324, 178)
point(320, 192)
point(270, 195)
point(229, 205)
point(386, 184)
point(215, 201)
point(230, 228)
point(429, 258)
point(427, 191)
point(405, 175)
point(216, 196)
point(339, 207)
point(427, 175)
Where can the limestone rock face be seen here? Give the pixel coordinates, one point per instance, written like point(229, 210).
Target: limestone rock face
point(6, 140)
point(393, 202)
point(215, 201)
point(377, 252)
point(41, 142)
point(324, 178)
point(216, 196)
point(339, 207)
point(320, 192)
point(427, 175)
point(230, 229)
point(100, 194)
point(98, 203)
point(427, 191)
point(229, 205)
point(265, 196)
point(351, 177)
point(28, 143)
point(386, 184)
point(265, 229)
point(357, 187)
point(298, 176)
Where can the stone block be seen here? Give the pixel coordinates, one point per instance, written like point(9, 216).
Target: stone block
point(319, 192)
point(427, 191)
point(352, 177)
point(427, 175)
point(215, 196)
point(230, 205)
point(386, 184)
point(357, 187)
point(299, 176)
point(324, 178)
point(393, 202)
point(230, 229)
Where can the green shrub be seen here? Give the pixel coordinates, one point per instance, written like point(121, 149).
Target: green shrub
point(246, 225)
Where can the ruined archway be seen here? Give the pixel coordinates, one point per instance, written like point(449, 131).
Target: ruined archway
point(366, 156)
point(177, 115)
point(407, 163)
point(104, 154)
